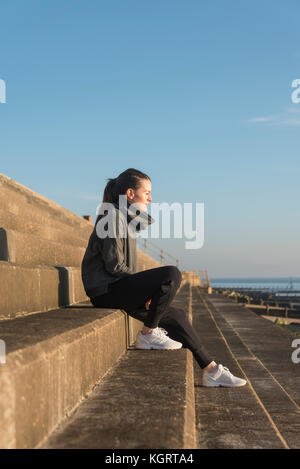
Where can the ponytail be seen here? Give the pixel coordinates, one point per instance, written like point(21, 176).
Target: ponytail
point(110, 192)
point(131, 178)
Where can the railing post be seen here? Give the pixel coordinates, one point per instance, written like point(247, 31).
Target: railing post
point(207, 279)
point(161, 256)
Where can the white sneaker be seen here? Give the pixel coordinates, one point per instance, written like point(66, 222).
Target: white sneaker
point(157, 339)
point(221, 377)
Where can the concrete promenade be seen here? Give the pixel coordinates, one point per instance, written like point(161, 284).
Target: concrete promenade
point(266, 412)
point(139, 403)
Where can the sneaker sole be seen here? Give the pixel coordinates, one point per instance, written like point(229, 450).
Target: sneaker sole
point(149, 347)
point(224, 385)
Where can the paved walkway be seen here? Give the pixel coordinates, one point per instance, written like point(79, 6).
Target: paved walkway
point(266, 412)
point(147, 399)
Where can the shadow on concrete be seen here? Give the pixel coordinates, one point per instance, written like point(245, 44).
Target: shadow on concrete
point(4, 254)
point(80, 306)
point(63, 286)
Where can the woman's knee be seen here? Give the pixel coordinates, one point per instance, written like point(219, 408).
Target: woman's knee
point(173, 273)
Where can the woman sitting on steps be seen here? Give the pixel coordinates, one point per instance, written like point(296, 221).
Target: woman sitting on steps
point(111, 280)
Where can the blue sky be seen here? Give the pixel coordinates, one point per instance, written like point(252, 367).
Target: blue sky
point(196, 94)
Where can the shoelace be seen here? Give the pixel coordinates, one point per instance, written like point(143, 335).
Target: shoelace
point(160, 332)
point(224, 368)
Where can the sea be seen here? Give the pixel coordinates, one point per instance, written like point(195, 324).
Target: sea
point(291, 285)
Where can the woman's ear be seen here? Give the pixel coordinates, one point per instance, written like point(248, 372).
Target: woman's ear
point(130, 194)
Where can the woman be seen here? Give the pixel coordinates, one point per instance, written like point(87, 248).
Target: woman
point(111, 280)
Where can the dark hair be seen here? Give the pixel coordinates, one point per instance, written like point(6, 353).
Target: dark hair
point(131, 178)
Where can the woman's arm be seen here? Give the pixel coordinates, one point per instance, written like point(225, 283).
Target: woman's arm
point(111, 243)
point(113, 257)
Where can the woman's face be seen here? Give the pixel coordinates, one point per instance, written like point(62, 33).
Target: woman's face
point(140, 196)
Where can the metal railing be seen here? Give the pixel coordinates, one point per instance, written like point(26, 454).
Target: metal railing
point(154, 251)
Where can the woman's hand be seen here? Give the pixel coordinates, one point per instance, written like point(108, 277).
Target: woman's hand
point(147, 305)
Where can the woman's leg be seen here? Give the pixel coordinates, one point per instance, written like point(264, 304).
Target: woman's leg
point(131, 293)
point(179, 327)
point(161, 285)
point(175, 321)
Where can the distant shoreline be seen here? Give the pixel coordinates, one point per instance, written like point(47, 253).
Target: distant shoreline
point(287, 284)
point(256, 278)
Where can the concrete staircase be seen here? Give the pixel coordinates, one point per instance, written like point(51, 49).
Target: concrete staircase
point(58, 346)
point(145, 401)
point(73, 379)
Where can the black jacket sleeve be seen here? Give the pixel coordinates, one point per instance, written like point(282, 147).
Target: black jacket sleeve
point(112, 250)
point(112, 247)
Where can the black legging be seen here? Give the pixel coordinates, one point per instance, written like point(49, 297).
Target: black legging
point(160, 285)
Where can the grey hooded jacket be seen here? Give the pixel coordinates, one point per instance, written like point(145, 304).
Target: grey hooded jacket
point(107, 259)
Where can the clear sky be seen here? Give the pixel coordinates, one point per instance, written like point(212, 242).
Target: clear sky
point(196, 94)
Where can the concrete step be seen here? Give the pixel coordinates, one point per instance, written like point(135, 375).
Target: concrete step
point(263, 414)
point(21, 207)
point(26, 289)
point(62, 233)
point(53, 360)
point(36, 288)
point(145, 401)
point(24, 248)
